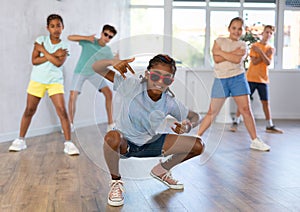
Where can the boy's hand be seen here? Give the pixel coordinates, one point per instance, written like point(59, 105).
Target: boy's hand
point(123, 65)
point(256, 49)
point(91, 38)
point(270, 52)
point(184, 127)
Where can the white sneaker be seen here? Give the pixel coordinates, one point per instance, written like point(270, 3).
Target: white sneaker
point(71, 149)
point(258, 144)
point(115, 195)
point(110, 127)
point(17, 145)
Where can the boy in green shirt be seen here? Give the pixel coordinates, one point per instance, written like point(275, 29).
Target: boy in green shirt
point(93, 49)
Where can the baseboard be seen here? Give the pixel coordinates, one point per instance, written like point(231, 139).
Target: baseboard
point(5, 137)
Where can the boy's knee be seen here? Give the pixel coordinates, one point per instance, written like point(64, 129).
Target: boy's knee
point(112, 139)
point(199, 146)
point(107, 93)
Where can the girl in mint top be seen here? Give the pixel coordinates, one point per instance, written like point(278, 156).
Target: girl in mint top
point(47, 72)
point(48, 57)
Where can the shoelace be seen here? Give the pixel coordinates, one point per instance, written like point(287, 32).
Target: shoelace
point(116, 189)
point(169, 178)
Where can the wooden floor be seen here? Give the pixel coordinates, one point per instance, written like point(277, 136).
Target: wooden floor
point(227, 177)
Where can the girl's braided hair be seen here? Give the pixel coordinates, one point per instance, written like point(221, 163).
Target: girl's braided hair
point(165, 60)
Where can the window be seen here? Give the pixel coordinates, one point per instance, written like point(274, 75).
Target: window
point(196, 23)
point(189, 27)
point(291, 37)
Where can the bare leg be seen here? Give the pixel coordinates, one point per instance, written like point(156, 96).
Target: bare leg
point(59, 103)
point(181, 148)
point(114, 144)
point(108, 103)
point(31, 106)
point(266, 108)
point(214, 108)
point(237, 114)
point(243, 103)
point(72, 105)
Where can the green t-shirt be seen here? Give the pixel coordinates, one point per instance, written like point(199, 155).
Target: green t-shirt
point(90, 53)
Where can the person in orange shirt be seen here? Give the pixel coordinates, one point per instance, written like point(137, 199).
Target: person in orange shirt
point(258, 77)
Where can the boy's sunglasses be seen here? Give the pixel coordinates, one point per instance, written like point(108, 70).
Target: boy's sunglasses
point(108, 35)
point(167, 80)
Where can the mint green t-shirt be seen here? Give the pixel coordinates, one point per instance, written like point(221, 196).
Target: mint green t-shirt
point(90, 53)
point(47, 72)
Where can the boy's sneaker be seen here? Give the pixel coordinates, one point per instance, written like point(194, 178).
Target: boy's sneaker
point(17, 145)
point(273, 129)
point(165, 176)
point(234, 127)
point(258, 144)
point(110, 127)
point(115, 195)
point(71, 149)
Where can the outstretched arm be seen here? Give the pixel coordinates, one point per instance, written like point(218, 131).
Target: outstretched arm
point(193, 120)
point(101, 67)
point(90, 38)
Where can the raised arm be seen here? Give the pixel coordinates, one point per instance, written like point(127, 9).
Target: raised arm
point(90, 38)
point(57, 58)
point(101, 67)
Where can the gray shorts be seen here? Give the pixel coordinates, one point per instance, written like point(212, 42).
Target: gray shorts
point(98, 81)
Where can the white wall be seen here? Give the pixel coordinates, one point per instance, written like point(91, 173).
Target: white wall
point(21, 22)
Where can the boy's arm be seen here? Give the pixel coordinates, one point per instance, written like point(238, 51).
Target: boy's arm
point(193, 119)
point(57, 58)
point(101, 67)
point(263, 57)
point(90, 38)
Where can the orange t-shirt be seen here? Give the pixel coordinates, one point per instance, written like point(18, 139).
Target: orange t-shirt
point(259, 72)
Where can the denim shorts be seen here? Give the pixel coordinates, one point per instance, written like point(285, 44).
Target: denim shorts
point(96, 80)
point(152, 149)
point(232, 86)
point(262, 88)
